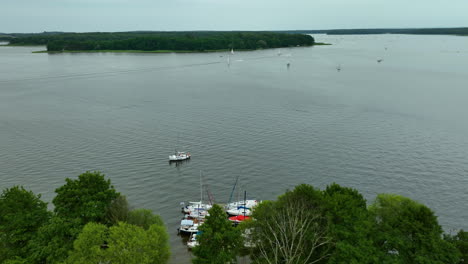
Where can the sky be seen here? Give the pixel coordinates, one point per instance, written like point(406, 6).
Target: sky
point(177, 15)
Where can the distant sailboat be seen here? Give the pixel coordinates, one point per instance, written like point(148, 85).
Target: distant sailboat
point(232, 51)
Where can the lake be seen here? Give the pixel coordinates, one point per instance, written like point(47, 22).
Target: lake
point(398, 126)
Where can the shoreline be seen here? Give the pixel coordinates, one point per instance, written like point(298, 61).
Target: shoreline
point(165, 51)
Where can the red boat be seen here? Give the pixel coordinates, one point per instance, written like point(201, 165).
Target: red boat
point(238, 218)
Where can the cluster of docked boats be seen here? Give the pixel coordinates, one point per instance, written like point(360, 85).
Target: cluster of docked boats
point(195, 213)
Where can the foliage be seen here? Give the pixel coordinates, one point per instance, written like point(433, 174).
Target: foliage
point(121, 244)
point(16, 260)
point(460, 241)
point(408, 232)
point(144, 218)
point(367, 31)
point(350, 226)
point(54, 240)
point(88, 247)
point(87, 198)
point(291, 229)
point(118, 210)
point(219, 241)
point(22, 214)
point(147, 41)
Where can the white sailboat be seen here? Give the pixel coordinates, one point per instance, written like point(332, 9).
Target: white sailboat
point(195, 213)
point(179, 155)
point(241, 207)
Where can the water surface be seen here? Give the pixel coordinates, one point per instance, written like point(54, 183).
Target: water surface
point(399, 126)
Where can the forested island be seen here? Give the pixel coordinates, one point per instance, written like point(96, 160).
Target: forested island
point(462, 31)
point(93, 223)
point(163, 41)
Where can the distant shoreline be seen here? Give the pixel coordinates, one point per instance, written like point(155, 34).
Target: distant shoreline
point(162, 51)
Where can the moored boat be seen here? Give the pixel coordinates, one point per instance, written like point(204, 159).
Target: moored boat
point(238, 218)
point(195, 206)
point(193, 241)
point(189, 226)
point(241, 207)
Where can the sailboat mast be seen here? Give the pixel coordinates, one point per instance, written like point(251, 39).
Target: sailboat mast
point(233, 188)
point(201, 188)
point(245, 203)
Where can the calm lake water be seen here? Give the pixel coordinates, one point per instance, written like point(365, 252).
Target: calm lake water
point(399, 126)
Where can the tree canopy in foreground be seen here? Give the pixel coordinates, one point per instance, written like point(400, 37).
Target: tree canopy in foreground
point(121, 244)
point(219, 241)
point(92, 223)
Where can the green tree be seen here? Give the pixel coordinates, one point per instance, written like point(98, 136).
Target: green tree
point(88, 247)
point(144, 218)
point(54, 240)
point(16, 260)
point(22, 213)
point(118, 210)
point(408, 232)
point(460, 241)
point(87, 198)
point(291, 229)
point(121, 244)
point(219, 241)
point(350, 226)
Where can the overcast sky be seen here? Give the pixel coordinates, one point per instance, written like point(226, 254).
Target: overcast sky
point(126, 15)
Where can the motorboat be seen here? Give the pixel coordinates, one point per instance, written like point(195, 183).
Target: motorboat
point(190, 226)
point(178, 156)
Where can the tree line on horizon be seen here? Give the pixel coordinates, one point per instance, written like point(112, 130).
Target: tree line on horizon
point(153, 41)
point(93, 223)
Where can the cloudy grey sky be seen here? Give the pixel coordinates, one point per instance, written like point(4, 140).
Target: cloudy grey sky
point(126, 15)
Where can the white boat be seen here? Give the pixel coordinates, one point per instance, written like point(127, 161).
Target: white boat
point(189, 226)
point(178, 155)
point(200, 214)
point(196, 206)
point(192, 241)
point(241, 207)
point(239, 211)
